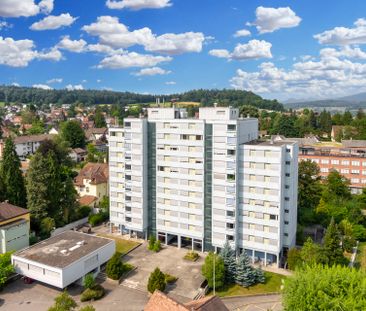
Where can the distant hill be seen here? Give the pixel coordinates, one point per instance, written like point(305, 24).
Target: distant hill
point(351, 102)
point(36, 96)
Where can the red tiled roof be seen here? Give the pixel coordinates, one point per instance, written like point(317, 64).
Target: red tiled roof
point(97, 173)
point(87, 200)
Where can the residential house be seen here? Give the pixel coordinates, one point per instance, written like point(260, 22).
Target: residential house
point(92, 180)
point(14, 227)
point(78, 154)
point(94, 134)
point(26, 145)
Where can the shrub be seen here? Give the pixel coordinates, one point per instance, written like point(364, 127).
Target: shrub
point(89, 281)
point(95, 293)
point(97, 219)
point(170, 279)
point(115, 268)
point(152, 241)
point(213, 260)
point(156, 281)
point(157, 246)
point(87, 308)
point(83, 211)
point(192, 256)
point(63, 302)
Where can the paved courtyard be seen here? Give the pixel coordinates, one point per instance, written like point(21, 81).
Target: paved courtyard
point(169, 260)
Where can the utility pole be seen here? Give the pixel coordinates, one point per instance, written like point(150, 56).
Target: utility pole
point(214, 267)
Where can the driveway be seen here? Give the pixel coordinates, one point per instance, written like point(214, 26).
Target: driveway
point(169, 260)
point(18, 296)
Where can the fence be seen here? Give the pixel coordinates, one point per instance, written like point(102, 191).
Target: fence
point(70, 226)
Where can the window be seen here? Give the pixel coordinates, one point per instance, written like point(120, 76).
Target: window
point(127, 124)
point(288, 150)
point(230, 226)
point(231, 127)
point(231, 152)
point(287, 187)
point(324, 161)
point(128, 219)
point(252, 190)
point(355, 171)
point(334, 161)
point(287, 211)
point(252, 153)
point(324, 170)
point(285, 234)
point(230, 237)
point(273, 217)
point(230, 213)
point(288, 162)
point(252, 202)
point(287, 174)
point(344, 162)
point(184, 137)
point(198, 137)
point(344, 171)
point(286, 222)
point(287, 199)
point(128, 166)
point(267, 166)
point(356, 163)
point(230, 177)
point(267, 179)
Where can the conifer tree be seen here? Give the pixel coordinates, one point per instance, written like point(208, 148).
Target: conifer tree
point(11, 175)
point(156, 281)
point(245, 274)
point(259, 275)
point(228, 256)
point(332, 244)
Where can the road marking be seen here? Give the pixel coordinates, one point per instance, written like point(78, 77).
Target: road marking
point(130, 284)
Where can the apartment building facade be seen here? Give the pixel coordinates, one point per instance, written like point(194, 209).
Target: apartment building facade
point(348, 158)
point(183, 180)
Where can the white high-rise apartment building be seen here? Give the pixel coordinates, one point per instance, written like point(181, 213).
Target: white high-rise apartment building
point(200, 182)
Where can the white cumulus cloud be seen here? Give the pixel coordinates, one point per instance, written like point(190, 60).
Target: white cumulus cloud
point(71, 87)
point(272, 19)
point(114, 34)
point(132, 59)
point(242, 33)
point(138, 4)
point(54, 80)
point(17, 8)
point(153, 71)
point(54, 22)
point(170, 83)
point(254, 49)
point(344, 35)
point(76, 46)
point(42, 86)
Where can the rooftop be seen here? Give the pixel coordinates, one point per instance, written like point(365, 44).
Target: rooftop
point(9, 211)
point(96, 172)
point(32, 138)
point(63, 249)
point(161, 302)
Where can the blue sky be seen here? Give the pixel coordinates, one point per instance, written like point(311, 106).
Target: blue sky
point(278, 49)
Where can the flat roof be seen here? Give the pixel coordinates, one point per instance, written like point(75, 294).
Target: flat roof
point(270, 143)
point(63, 249)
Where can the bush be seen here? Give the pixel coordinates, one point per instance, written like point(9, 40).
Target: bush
point(95, 293)
point(87, 308)
point(170, 279)
point(83, 211)
point(157, 246)
point(97, 219)
point(192, 256)
point(156, 281)
point(152, 241)
point(89, 281)
point(33, 240)
point(115, 268)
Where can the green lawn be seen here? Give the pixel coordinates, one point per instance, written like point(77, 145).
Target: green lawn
point(272, 285)
point(360, 261)
point(122, 246)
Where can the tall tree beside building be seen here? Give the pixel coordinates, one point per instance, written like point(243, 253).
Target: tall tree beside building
point(72, 133)
point(325, 121)
point(38, 178)
point(228, 255)
point(309, 191)
point(11, 175)
point(332, 244)
point(245, 273)
point(99, 119)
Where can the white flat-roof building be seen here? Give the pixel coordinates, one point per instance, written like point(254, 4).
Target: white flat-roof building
point(64, 259)
point(184, 180)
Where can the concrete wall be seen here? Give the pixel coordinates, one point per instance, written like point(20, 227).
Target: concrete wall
point(14, 237)
point(69, 226)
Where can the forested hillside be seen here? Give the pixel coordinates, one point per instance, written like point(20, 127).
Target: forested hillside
point(36, 96)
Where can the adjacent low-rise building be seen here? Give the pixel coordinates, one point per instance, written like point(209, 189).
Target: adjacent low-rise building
point(14, 227)
point(64, 259)
point(26, 145)
point(92, 180)
point(348, 158)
